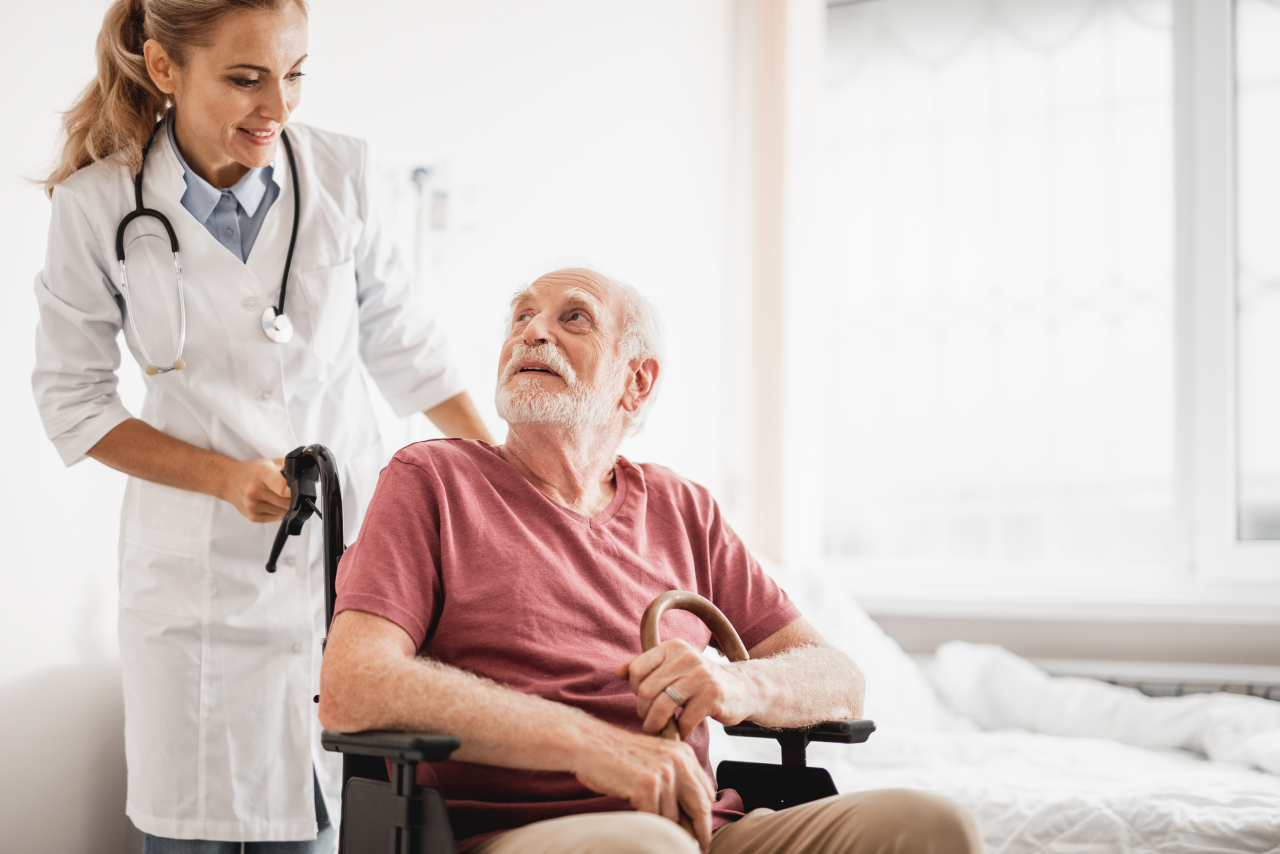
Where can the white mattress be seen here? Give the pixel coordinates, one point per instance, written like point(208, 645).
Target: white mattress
point(1036, 793)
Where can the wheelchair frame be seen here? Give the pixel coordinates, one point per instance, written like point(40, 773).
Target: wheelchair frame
point(392, 814)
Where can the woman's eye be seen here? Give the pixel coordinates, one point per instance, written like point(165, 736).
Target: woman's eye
point(243, 82)
point(521, 318)
point(296, 76)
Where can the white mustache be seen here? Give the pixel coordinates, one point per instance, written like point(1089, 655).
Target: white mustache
point(547, 354)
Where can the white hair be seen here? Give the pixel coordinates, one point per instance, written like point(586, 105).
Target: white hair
point(641, 338)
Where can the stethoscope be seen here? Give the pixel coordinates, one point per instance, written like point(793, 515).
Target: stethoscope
point(275, 323)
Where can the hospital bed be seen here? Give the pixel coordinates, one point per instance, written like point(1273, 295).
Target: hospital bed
point(1157, 762)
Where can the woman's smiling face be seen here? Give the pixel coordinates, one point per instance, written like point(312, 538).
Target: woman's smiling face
point(232, 97)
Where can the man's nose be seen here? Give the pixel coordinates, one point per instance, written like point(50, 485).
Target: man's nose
point(538, 329)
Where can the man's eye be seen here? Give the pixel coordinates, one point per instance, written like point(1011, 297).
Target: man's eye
point(578, 315)
point(521, 318)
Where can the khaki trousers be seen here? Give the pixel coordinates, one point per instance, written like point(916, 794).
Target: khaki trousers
point(888, 821)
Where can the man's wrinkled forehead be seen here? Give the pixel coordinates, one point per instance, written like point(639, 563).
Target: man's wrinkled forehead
point(569, 287)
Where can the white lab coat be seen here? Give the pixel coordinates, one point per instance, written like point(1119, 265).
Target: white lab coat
point(221, 659)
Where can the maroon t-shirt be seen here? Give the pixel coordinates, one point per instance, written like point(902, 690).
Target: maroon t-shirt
point(488, 574)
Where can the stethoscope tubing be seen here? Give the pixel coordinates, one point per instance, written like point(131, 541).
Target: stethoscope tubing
point(140, 211)
point(297, 206)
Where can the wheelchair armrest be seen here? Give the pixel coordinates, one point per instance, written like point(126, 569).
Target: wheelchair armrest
point(396, 746)
point(794, 741)
point(840, 732)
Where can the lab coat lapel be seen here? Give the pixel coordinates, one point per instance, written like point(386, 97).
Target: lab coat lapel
point(229, 356)
point(266, 260)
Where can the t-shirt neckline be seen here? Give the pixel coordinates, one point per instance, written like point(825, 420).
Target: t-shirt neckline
point(620, 464)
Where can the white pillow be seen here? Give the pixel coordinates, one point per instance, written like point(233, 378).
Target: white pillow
point(1000, 690)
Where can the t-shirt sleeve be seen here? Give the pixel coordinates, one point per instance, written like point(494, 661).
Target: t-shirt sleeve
point(391, 570)
point(754, 603)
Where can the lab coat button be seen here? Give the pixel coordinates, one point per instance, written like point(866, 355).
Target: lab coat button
point(297, 648)
point(249, 303)
point(265, 394)
point(290, 560)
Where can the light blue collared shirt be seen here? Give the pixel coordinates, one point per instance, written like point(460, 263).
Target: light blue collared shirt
point(233, 216)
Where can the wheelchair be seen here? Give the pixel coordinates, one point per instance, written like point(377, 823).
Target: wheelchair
point(390, 814)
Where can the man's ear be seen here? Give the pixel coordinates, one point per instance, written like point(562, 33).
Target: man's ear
point(161, 67)
point(640, 383)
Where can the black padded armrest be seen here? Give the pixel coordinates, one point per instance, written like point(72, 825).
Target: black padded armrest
point(404, 746)
point(840, 732)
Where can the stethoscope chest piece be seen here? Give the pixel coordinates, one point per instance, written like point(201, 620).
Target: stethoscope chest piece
point(278, 326)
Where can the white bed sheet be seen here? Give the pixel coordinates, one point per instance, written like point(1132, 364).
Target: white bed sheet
point(1042, 794)
point(1031, 793)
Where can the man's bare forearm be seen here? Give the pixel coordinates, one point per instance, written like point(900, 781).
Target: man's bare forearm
point(367, 684)
point(803, 686)
point(371, 680)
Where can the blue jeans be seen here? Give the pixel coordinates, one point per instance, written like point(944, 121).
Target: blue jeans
point(323, 843)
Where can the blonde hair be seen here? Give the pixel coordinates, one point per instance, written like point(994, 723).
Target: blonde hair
point(116, 114)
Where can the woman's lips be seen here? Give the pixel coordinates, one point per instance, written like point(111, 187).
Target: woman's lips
point(253, 135)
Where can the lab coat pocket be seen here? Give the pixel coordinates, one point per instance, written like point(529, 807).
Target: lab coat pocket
point(331, 304)
point(164, 550)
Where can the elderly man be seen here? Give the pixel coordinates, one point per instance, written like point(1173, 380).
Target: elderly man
point(495, 592)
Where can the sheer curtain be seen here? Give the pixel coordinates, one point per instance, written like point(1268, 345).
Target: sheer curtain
point(996, 306)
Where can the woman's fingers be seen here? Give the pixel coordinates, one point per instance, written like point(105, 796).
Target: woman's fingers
point(277, 487)
point(259, 491)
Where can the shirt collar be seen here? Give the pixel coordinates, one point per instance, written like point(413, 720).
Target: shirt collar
point(201, 197)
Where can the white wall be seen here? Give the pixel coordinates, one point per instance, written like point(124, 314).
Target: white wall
point(592, 129)
point(574, 129)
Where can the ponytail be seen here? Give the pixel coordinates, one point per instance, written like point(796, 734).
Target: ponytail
point(116, 114)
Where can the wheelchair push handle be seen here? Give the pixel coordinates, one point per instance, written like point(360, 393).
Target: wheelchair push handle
point(312, 473)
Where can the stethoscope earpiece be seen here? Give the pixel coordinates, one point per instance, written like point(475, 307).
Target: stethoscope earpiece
point(152, 370)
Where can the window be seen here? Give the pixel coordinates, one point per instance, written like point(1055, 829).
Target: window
point(1048, 324)
point(999, 215)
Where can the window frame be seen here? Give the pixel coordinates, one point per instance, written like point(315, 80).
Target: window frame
point(1206, 283)
point(1209, 558)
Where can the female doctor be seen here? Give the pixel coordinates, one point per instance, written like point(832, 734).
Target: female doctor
point(268, 218)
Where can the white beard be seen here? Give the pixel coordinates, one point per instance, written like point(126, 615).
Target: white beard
point(521, 399)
